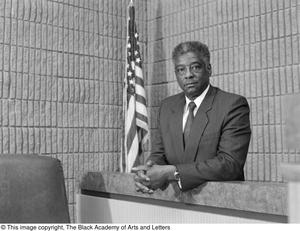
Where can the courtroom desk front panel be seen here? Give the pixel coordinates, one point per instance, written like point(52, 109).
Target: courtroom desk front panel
point(110, 197)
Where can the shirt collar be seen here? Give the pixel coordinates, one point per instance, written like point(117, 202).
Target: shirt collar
point(197, 100)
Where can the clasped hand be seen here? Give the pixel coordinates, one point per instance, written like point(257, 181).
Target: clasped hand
point(150, 176)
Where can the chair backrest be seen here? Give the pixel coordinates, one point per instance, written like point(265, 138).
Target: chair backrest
point(32, 190)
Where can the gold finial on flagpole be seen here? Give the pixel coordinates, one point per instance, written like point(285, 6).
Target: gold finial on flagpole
point(131, 2)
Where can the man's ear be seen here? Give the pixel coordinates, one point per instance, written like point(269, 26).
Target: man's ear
point(208, 67)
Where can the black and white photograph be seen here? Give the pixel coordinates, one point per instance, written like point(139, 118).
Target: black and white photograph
point(149, 114)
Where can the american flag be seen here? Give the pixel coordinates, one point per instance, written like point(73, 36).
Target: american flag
point(134, 98)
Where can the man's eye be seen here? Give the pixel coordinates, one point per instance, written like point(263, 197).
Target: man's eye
point(196, 67)
point(180, 70)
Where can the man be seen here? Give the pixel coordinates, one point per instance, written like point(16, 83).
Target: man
point(203, 132)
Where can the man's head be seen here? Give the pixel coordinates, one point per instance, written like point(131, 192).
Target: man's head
point(192, 67)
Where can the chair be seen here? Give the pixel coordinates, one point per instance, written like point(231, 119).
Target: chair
point(32, 190)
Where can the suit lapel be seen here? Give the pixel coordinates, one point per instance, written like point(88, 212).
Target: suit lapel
point(176, 126)
point(199, 125)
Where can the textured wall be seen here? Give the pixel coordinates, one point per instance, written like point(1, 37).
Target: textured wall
point(255, 48)
point(292, 114)
point(61, 73)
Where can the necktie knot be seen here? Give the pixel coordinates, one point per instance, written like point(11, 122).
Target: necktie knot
point(192, 106)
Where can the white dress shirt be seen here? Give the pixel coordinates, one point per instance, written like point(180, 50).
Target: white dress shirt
point(197, 101)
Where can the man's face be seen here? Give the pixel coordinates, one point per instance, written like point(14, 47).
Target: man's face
point(192, 73)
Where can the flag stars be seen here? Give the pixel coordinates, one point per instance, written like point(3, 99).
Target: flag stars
point(138, 60)
point(136, 35)
point(129, 73)
point(129, 45)
point(131, 81)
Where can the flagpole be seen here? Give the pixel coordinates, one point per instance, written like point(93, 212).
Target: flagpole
point(123, 150)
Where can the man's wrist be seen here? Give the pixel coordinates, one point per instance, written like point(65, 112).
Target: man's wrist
point(174, 176)
point(149, 163)
point(170, 173)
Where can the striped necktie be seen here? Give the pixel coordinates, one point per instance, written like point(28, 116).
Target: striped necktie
point(189, 122)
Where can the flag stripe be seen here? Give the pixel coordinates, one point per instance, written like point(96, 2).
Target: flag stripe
point(139, 81)
point(142, 117)
point(130, 127)
point(131, 135)
point(129, 115)
point(138, 71)
point(140, 90)
point(140, 99)
point(131, 157)
point(141, 110)
point(142, 124)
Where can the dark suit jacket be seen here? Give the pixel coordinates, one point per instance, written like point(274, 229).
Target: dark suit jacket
point(219, 141)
